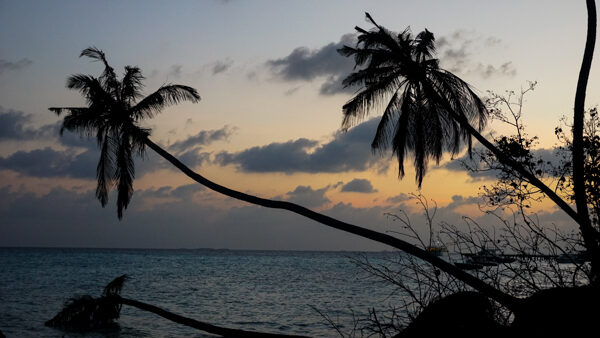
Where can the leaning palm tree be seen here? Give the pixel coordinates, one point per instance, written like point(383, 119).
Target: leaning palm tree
point(113, 116)
point(429, 110)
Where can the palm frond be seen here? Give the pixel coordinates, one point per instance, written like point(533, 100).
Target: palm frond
point(124, 174)
point(89, 313)
point(79, 120)
point(104, 170)
point(115, 286)
point(166, 95)
point(59, 110)
point(132, 84)
point(424, 45)
point(109, 77)
point(384, 129)
point(361, 104)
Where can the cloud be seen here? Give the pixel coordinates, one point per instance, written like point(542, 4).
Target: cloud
point(308, 197)
point(14, 125)
point(175, 71)
point(48, 162)
point(203, 138)
point(348, 151)
point(183, 219)
point(457, 48)
point(487, 71)
point(359, 185)
point(291, 91)
point(75, 219)
point(549, 156)
point(305, 64)
point(333, 85)
point(398, 198)
point(183, 193)
point(6, 65)
point(80, 158)
point(221, 66)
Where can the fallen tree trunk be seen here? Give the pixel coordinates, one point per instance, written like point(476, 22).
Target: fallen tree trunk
point(221, 331)
point(88, 313)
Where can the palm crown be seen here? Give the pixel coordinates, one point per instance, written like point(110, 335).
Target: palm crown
point(425, 104)
point(114, 110)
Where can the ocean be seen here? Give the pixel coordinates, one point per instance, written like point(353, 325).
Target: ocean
point(269, 291)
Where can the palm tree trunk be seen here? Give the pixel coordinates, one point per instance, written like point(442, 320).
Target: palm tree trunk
point(474, 282)
point(221, 331)
point(588, 232)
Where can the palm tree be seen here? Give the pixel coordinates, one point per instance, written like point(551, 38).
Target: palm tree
point(113, 117)
point(429, 110)
point(422, 98)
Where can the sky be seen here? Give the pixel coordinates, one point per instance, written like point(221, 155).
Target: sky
point(269, 119)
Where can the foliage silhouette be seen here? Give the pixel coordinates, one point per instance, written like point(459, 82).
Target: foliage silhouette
point(112, 115)
point(419, 115)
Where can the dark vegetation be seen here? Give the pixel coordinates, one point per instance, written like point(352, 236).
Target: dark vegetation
point(428, 111)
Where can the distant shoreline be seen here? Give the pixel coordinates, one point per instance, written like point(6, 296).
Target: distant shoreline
point(195, 249)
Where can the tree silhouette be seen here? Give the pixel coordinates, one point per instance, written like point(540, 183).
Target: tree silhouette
point(112, 115)
point(424, 98)
point(114, 119)
point(429, 110)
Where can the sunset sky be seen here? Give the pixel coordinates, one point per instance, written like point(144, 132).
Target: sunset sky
point(269, 119)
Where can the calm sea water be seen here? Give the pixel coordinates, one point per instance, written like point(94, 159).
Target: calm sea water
point(270, 291)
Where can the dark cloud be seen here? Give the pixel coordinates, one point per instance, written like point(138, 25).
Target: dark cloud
point(75, 219)
point(325, 62)
point(359, 185)
point(80, 159)
point(71, 218)
point(221, 66)
point(308, 197)
point(48, 162)
point(203, 138)
point(459, 200)
point(333, 85)
point(14, 125)
point(184, 192)
point(6, 65)
point(398, 198)
point(348, 151)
